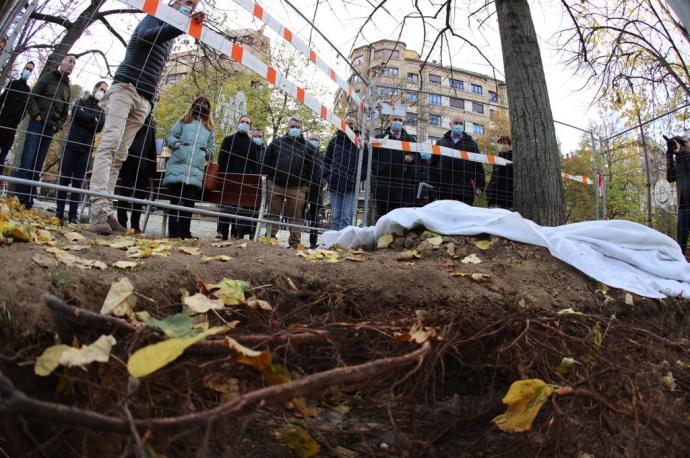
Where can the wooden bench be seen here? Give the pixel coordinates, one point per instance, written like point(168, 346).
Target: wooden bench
point(238, 194)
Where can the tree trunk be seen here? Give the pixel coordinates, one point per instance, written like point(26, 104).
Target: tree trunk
point(538, 186)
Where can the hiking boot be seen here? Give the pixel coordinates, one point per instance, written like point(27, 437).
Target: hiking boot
point(100, 226)
point(115, 225)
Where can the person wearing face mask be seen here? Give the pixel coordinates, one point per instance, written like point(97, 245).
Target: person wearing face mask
point(457, 179)
point(12, 105)
point(87, 120)
point(394, 171)
point(314, 194)
point(500, 189)
point(340, 172)
point(678, 171)
point(127, 104)
point(48, 107)
point(259, 139)
point(289, 164)
point(192, 142)
point(238, 154)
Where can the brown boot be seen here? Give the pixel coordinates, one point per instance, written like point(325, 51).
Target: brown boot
point(99, 224)
point(115, 226)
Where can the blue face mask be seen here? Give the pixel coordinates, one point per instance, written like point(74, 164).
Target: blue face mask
point(26, 74)
point(258, 140)
point(425, 156)
point(396, 125)
point(458, 128)
point(185, 10)
point(243, 127)
point(315, 143)
point(294, 132)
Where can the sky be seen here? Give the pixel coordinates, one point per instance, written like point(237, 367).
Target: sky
point(339, 23)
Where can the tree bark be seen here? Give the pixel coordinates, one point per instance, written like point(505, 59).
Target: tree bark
point(538, 187)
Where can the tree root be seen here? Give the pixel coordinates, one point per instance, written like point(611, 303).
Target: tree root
point(15, 402)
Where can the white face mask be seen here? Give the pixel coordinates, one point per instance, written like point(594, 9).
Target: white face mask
point(99, 95)
point(502, 148)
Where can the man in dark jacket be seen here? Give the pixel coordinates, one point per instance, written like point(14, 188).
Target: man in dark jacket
point(136, 173)
point(500, 189)
point(457, 179)
point(48, 107)
point(87, 121)
point(340, 172)
point(314, 193)
point(128, 103)
point(238, 154)
point(12, 105)
point(289, 165)
point(394, 170)
point(678, 170)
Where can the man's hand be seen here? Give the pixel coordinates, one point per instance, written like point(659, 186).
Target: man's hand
point(408, 158)
point(199, 16)
point(478, 191)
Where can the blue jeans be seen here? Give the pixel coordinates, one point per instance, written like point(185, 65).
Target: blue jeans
point(72, 169)
point(342, 205)
point(36, 143)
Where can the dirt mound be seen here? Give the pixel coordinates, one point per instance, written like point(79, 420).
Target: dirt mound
point(485, 325)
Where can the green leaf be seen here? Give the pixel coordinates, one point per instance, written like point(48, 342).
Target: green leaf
point(594, 335)
point(179, 325)
point(300, 441)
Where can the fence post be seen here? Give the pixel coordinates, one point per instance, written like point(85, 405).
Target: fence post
point(646, 164)
point(595, 168)
point(369, 134)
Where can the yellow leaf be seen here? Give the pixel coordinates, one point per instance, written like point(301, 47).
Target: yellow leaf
point(122, 243)
point(262, 361)
point(43, 237)
point(49, 360)
point(524, 400)
point(199, 303)
point(479, 278)
point(64, 355)
point(299, 441)
point(74, 237)
point(408, 255)
point(319, 255)
point(384, 241)
point(71, 260)
point(136, 252)
point(418, 333)
point(483, 244)
point(435, 241)
point(219, 257)
point(120, 299)
point(191, 250)
point(231, 292)
point(18, 232)
point(565, 365)
point(149, 359)
point(268, 241)
point(471, 259)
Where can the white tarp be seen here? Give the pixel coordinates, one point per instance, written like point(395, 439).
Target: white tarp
point(620, 254)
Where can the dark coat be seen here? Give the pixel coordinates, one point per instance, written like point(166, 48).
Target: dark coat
point(87, 121)
point(239, 154)
point(50, 98)
point(452, 177)
point(340, 164)
point(500, 189)
point(147, 51)
point(678, 170)
point(289, 163)
point(140, 164)
point(12, 105)
point(315, 192)
point(395, 179)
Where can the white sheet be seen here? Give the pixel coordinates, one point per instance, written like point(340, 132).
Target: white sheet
point(620, 254)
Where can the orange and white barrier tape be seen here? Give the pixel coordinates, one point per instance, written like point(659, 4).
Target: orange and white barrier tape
point(241, 55)
point(438, 150)
point(579, 178)
point(260, 13)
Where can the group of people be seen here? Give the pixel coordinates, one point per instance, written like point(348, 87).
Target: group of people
point(296, 169)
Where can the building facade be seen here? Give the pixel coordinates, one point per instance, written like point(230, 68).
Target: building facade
point(431, 93)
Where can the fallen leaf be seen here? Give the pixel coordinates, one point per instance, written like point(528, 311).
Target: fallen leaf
point(565, 365)
point(271, 241)
point(122, 243)
point(319, 255)
point(408, 255)
point(629, 299)
point(291, 284)
point(301, 409)
point(224, 243)
point(18, 232)
point(450, 249)
point(355, 258)
point(136, 252)
point(179, 325)
point(64, 355)
point(43, 237)
point(568, 312)
point(219, 257)
point(418, 333)
point(254, 303)
point(471, 259)
point(479, 278)
point(44, 260)
point(299, 441)
point(74, 247)
point(120, 299)
point(262, 361)
point(227, 387)
point(358, 251)
point(435, 241)
point(682, 365)
point(191, 250)
point(448, 266)
point(74, 237)
point(71, 260)
point(231, 292)
point(124, 265)
point(524, 400)
point(384, 241)
point(242, 245)
point(483, 244)
point(149, 359)
point(594, 335)
point(200, 303)
point(300, 246)
point(669, 381)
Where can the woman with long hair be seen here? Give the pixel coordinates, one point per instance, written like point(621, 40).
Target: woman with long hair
point(192, 142)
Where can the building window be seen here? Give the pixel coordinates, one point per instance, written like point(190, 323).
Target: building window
point(493, 97)
point(477, 129)
point(410, 118)
point(477, 107)
point(457, 84)
point(385, 91)
point(434, 120)
point(412, 77)
point(434, 140)
point(457, 103)
point(435, 79)
point(390, 71)
point(357, 60)
point(434, 99)
point(355, 79)
point(386, 54)
point(477, 89)
point(411, 97)
point(492, 115)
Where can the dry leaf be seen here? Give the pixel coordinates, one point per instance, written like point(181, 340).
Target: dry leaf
point(272, 373)
point(124, 265)
point(64, 355)
point(222, 244)
point(191, 250)
point(218, 257)
point(76, 247)
point(199, 303)
point(418, 333)
point(299, 441)
point(568, 312)
point(319, 255)
point(471, 259)
point(355, 259)
point(384, 241)
point(565, 365)
point(120, 299)
point(483, 244)
point(71, 260)
point(254, 303)
point(122, 243)
point(227, 387)
point(242, 245)
point(450, 249)
point(44, 260)
point(408, 255)
point(479, 278)
point(74, 237)
point(230, 291)
point(43, 237)
point(435, 241)
point(524, 400)
point(629, 299)
point(268, 241)
point(291, 284)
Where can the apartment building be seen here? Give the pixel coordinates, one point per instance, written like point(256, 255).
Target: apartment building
point(431, 95)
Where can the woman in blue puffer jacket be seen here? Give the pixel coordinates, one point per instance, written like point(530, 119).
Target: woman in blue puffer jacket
point(192, 142)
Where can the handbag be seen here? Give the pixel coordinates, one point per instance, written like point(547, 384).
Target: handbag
point(211, 177)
